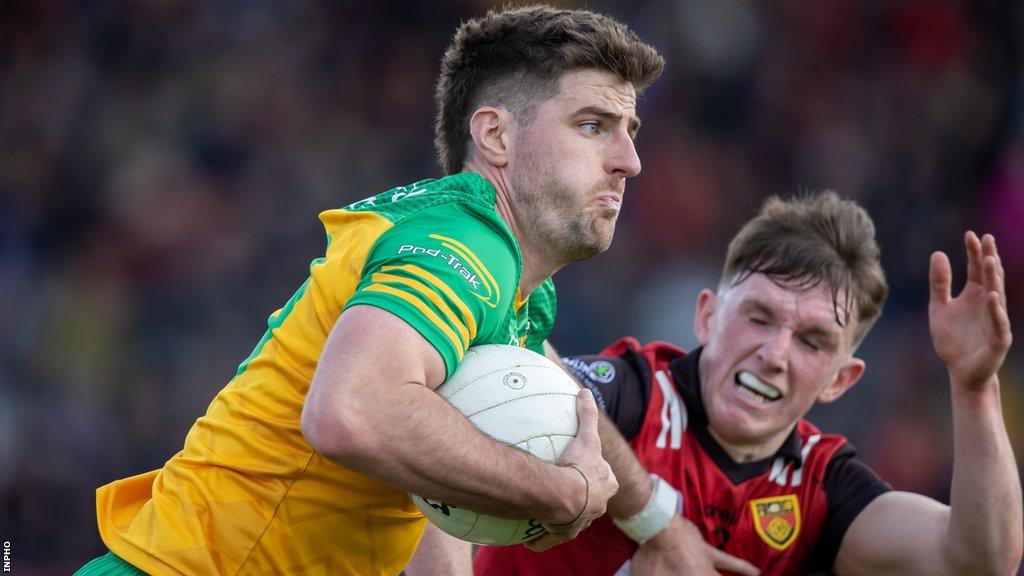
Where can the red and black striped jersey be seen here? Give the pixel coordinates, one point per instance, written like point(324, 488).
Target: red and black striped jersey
point(786, 514)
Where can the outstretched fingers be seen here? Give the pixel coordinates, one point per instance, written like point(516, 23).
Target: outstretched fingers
point(974, 257)
point(993, 282)
point(940, 278)
point(995, 276)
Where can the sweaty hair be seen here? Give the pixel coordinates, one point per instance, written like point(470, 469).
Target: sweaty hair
point(515, 58)
point(803, 241)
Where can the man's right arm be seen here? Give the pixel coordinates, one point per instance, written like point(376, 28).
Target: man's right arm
point(372, 408)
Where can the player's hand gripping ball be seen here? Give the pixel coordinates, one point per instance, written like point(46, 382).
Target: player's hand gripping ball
point(520, 398)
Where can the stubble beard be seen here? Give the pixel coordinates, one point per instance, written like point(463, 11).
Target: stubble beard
point(570, 232)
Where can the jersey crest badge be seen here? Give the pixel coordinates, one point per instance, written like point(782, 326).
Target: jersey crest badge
point(777, 520)
point(601, 371)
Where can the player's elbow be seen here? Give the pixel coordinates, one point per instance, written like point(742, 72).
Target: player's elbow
point(333, 432)
point(320, 429)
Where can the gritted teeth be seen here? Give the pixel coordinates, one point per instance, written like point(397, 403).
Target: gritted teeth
point(753, 383)
point(754, 396)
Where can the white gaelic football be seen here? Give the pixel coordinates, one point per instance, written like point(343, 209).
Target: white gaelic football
point(520, 398)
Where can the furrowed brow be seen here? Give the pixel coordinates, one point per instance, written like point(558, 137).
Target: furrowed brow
point(823, 333)
point(827, 335)
point(759, 307)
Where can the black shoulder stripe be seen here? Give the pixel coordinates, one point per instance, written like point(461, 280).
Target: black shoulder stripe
point(850, 485)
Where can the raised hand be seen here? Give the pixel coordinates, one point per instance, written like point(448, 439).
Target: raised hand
point(971, 332)
point(585, 465)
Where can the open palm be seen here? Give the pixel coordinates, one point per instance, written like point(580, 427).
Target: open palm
point(971, 332)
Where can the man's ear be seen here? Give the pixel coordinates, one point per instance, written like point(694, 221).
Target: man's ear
point(848, 376)
point(707, 301)
point(489, 128)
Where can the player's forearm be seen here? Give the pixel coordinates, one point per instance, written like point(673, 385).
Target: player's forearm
point(433, 451)
point(985, 530)
point(634, 480)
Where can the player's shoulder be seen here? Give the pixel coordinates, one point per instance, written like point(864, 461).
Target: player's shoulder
point(823, 446)
point(467, 194)
point(806, 429)
point(451, 215)
point(458, 210)
point(628, 345)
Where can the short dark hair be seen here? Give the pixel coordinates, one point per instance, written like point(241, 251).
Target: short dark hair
point(810, 239)
point(516, 57)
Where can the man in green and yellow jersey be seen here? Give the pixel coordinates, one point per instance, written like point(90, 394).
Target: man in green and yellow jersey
point(302, 463)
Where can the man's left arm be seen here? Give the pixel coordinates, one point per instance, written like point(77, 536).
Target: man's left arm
point(679, 542)
point(981, 531)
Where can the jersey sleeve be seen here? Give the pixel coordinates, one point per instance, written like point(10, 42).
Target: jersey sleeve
point(542, 307)
point(618, 388)
point(850, 485)
point(447, 271)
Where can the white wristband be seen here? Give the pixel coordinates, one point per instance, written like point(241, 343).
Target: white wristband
point(664, 503)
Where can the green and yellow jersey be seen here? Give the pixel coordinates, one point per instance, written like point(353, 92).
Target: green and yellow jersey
point(247, 494)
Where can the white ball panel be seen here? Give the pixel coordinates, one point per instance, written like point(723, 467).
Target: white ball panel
point(496, 386)
point(539, 447)
point(521, 419)
point(559, 443)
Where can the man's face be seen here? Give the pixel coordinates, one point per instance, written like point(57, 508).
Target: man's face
point(769, 353)
point(568, 165)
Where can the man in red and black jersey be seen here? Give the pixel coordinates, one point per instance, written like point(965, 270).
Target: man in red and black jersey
point(721, 429)
point(804, 495)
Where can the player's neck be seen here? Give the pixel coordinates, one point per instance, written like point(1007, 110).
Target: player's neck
point(538, 263)
point(741, 451)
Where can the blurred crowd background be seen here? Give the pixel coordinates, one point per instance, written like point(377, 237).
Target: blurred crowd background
point(162, 165)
